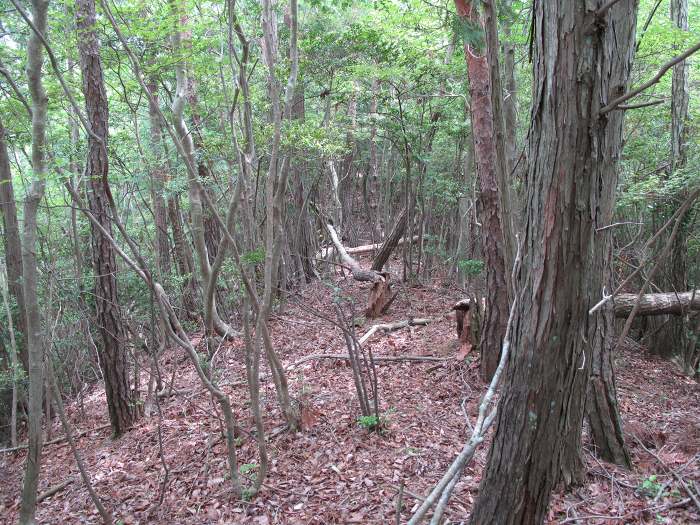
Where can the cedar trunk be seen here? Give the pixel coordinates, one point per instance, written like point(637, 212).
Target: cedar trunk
point(541, 411)
point(488, 203)
point(113, 355)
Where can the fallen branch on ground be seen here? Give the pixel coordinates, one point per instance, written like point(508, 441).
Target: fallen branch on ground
point(378, 359)
point(675, 474)
point(58, 440)
point(390, 327)
point(54, 490)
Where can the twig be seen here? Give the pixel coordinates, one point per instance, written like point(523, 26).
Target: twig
point(602, 228)
point(666, 506)
point(668, 65)
point(675, 474)
point(641, 105)
point(54, 490)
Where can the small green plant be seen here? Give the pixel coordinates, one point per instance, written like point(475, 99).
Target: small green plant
point(247, 468)
point(650, 487)
point(368, 422)
point(378, 423)
point(254, 256)
point(247, 494)
point(471, 267)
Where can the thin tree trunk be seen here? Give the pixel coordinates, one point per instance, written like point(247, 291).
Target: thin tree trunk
point(487, 169)
point(113, 359)
point(13, 245)
point(14, 364)
point(542, 404)
point(34, 335)
point(182, 91)
point(158, 179)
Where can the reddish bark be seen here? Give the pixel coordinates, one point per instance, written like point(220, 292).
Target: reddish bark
point(496, 316)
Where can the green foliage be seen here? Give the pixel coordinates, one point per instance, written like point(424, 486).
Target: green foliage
point(650, 487)
point(248, 469)
point(254, 257)
point(368, 422)
point(471, 267)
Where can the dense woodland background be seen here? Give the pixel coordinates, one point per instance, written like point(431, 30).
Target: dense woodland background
point(238, 236)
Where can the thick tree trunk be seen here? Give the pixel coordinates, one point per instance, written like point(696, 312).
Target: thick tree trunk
point(542, 405)
point(489, 206)
point(34, 335)
point(13, 245)
point(113, 357)
point(602, 409)
point(510, 99)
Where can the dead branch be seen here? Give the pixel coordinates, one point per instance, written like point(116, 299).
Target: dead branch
point(668, 65)
point(54, 490)
point(58, 440)
point(675, 474)
point(378, 359)
point(359, 250)
point(358, 273)
point(390, 327)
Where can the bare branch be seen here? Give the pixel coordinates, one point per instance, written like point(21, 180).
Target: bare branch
point(668, 65)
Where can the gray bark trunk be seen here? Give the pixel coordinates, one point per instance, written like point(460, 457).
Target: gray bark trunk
point(35, 337)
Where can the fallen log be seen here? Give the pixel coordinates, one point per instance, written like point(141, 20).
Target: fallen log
point(667, 303)
point(359, 250)
point(380, 296)
point(358, 273)
point(54, 490)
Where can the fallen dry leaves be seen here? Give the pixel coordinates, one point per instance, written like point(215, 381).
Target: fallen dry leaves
point(336, 472)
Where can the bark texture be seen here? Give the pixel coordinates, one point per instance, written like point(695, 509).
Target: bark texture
point(542, 406)
point(13, 245)
point(158, 179)
point(669, 303)
point(35, 337)
point(109, 317)
point(489, 207)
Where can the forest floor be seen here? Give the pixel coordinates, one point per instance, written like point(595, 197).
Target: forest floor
point(334, 471)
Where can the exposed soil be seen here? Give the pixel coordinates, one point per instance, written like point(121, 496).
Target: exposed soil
point(334, 471)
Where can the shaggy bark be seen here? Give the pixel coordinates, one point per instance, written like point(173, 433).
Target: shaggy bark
point(541, 411)
point(488, 167)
